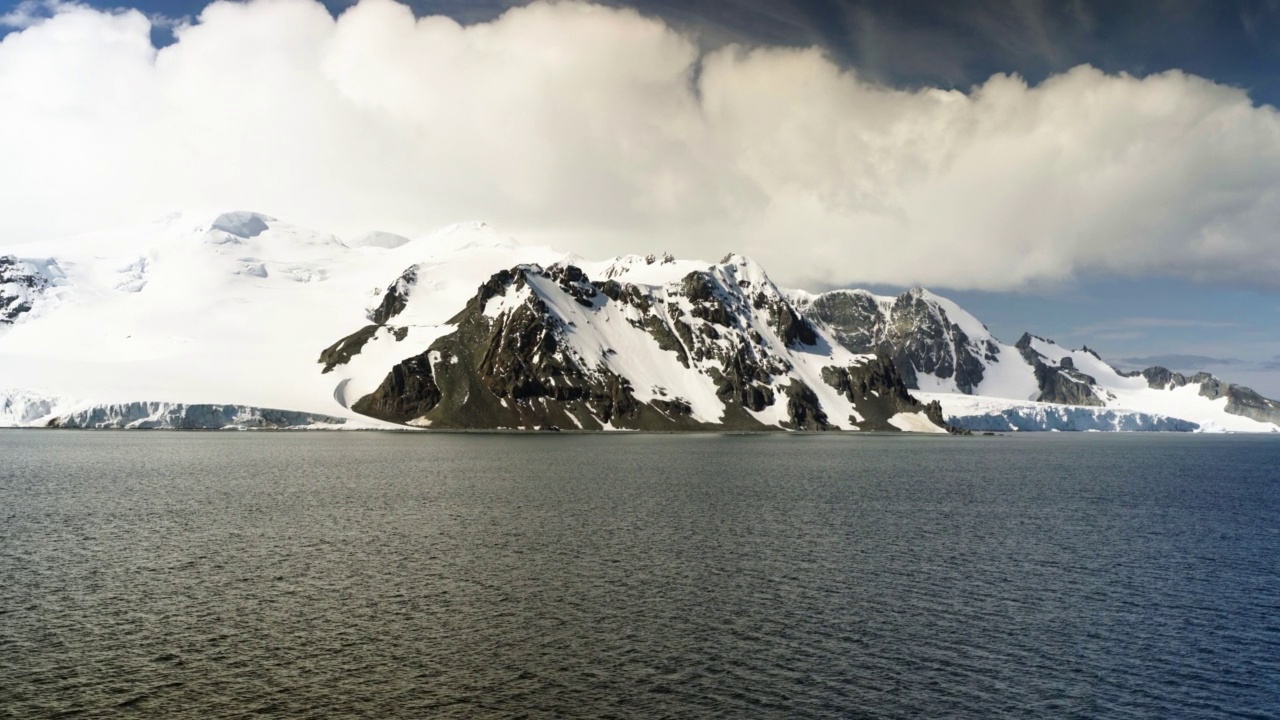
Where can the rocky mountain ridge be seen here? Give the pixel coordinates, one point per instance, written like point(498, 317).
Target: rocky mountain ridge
point(466, 328)
point(542, 348)
point(944, 352)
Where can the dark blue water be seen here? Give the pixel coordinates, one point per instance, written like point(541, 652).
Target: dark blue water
point(389, 575)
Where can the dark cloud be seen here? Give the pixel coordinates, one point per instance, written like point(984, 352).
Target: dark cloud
point(1272, 364)
point(957, 44)
point(918, 43)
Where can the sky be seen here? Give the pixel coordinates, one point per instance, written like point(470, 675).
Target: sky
point(1098, 173)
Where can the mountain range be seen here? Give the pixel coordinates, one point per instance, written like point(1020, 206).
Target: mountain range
point(241, 320)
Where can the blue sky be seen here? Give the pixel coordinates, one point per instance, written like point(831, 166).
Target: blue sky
point(1153, 307)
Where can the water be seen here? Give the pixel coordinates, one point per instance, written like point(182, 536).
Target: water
point(471, 576)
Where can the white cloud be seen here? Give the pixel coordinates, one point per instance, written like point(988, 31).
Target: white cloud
point(28, 13)
point(602, 131)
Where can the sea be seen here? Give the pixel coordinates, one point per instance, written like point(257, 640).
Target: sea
point(422, 575)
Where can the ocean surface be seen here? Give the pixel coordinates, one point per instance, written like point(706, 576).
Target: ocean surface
point(329, 575)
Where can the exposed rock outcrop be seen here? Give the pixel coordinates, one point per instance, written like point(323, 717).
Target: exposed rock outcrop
point(1241, 400)
point(1060, 383)
point(21, 285)
point(341, 352)
point(534, 348)
point(395, 298)
point(877, 391)
point(511, 370)
point(393, 302)
point(913, 330)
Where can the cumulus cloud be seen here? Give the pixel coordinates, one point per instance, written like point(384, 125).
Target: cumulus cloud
point(599, 130)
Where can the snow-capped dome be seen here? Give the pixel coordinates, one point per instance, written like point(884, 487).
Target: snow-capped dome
point(242, 223)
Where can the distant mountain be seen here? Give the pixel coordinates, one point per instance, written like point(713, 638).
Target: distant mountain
point(949, 356)
point(241, 320)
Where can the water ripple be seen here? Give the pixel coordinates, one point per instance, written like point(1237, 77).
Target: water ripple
point(464, 576)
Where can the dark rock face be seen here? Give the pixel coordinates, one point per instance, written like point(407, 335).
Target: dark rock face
point(1244, 401)
point(914, 332)
point(926, 339)
point(408, 392)
point(744, 380)
point(396, 297)
point(854, 318)
point(341, 352)
point(519, 367)
point(20, 285)
point(878, 393)
point(803, 409)
point(1241, 400)
point(1160, 378)
point(791, 327)
point(512, 372)
point(394, 300)
point(1062, 384)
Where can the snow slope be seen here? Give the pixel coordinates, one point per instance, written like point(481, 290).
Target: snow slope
point(228, 310)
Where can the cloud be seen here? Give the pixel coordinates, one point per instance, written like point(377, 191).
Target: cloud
point(1139, 324)
point(28, 13)
point(1178, 361)
point(1272, 364)
point(1117, 335)
point(602, 131)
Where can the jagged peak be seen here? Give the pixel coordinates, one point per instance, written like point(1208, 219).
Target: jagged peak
point(803, 299)
point(744, 272)
point(974, 328)
point(623, 264)
point(744, 262)
point(652, 269)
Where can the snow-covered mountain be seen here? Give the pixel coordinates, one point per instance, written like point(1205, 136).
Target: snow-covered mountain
point(949, 356)
point(224, 318)
point(242, 320)
point(658, 344)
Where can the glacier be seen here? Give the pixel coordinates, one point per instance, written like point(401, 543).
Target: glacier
point(986, 414)
point(20, 408)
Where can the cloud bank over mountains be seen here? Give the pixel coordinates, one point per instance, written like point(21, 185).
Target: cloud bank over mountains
point(603, 131)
